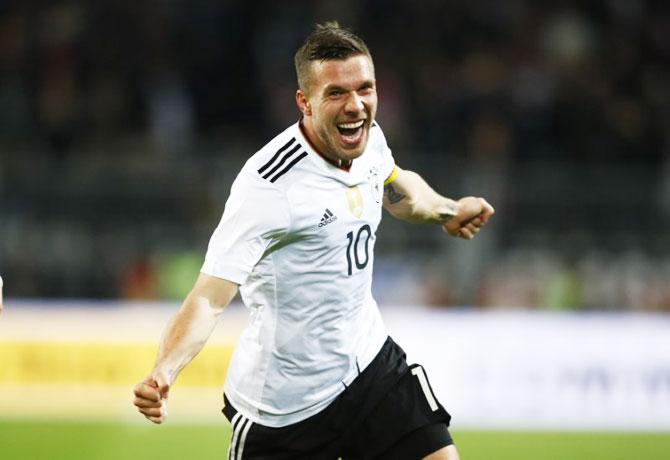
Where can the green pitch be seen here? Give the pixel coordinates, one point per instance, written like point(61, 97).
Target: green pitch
point(97, 441)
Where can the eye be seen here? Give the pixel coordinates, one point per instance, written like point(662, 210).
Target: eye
point(334, 93)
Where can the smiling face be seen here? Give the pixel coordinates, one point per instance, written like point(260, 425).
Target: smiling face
point(339, 106)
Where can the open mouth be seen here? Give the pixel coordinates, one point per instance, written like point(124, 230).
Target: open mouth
point(351, 133)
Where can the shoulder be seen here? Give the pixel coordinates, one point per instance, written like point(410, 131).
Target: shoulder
point(382, 152)
point(377, 137)
point(278, 158)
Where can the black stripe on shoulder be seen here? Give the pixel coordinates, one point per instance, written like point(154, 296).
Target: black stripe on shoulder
point(274, 157)
point(289, 166)
point(282, 161)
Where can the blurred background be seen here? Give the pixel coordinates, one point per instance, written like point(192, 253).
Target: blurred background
point(123, 124)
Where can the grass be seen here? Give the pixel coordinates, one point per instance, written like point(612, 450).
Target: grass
point(483, 445)
point(27, 440)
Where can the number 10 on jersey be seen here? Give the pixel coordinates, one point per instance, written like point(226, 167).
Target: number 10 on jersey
point(352, 246)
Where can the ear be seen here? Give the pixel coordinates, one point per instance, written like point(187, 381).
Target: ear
point(303, 103)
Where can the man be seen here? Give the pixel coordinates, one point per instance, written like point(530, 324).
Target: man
point(314, 375)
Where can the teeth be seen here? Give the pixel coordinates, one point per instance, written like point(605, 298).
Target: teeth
point(354, 125)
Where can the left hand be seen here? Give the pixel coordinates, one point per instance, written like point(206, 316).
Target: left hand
point(472, 215)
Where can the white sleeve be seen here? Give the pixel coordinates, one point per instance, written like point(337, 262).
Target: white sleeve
point(256, 215)
point(387, 160)
point(388, 164)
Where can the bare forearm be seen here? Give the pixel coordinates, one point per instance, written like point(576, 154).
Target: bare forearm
point(188, 331)
point(411, 199)
point(184, 336)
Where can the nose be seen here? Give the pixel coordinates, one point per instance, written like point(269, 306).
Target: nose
point(354, 103)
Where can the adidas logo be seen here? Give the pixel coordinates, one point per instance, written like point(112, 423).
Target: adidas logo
point(328, 217)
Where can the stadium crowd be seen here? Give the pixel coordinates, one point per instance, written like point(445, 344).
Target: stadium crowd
point(123, 123)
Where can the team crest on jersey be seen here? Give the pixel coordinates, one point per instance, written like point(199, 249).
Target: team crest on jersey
point(375, 186)
point(355, 200)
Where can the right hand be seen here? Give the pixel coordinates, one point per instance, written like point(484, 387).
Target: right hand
point(151, 397)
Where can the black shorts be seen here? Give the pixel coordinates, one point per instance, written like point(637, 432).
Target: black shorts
point(388, 411)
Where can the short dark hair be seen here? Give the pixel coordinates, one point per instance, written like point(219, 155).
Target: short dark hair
point(326, 42)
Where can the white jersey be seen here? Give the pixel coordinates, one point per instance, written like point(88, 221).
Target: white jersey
point(297, 234)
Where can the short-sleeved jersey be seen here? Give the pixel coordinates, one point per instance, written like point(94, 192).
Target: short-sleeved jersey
point(297, 234)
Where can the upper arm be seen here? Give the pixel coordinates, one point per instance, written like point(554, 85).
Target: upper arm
point(217, 291)
point(397, 191)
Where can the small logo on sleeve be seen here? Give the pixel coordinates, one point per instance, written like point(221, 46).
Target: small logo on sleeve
point(328, 217)
point(375, 184)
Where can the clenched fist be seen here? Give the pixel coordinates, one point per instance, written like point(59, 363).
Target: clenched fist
point(151, 397)
point(472, 215)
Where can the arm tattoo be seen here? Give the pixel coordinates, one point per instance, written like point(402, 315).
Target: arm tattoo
point(392, 194)
point(444, 217)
